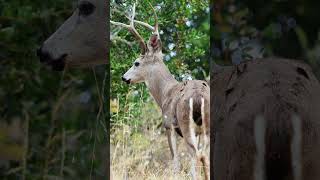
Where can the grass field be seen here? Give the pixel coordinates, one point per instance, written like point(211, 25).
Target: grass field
point(140, 150)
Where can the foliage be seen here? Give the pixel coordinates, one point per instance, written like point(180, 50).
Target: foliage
point(184, 35)
point(48, 120)
point(247, 30)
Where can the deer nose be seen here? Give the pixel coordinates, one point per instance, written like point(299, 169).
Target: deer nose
point(43, 55)
point(126, 80)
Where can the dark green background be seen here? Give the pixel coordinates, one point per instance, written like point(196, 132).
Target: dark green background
point(55, 113)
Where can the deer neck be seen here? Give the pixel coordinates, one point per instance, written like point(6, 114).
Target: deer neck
point(159, 82)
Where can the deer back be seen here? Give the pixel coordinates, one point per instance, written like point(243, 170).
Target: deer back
point(275, 89)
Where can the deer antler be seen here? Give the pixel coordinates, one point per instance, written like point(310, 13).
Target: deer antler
point(146, 25)
point(156, 26)
point(114, 37)
point(133, 30)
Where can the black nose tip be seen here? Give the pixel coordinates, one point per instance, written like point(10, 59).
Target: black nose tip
point(43, 55)
point(125, 80)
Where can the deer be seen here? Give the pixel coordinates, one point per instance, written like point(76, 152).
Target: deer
point(185, 105)
point(81, 40)
point(266, 121)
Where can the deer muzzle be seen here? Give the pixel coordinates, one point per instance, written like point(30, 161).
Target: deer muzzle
point(57, 64)
point(126, 80)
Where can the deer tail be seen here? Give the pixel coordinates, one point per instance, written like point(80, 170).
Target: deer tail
point(202, 141)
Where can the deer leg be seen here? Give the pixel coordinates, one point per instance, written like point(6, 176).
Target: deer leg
point(205, 162)
point(188, 131)
point(205, 156)
point(194, 161)
point(172, 139)
point(193, 151)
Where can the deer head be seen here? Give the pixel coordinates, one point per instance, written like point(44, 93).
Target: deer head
point(81, 40)
point(145, 63)
point(151, 52)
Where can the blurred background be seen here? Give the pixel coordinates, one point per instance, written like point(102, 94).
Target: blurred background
point(248, 30)
point(52, 124)
point(139, 146)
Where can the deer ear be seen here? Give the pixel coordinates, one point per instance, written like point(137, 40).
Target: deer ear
point(154, 43)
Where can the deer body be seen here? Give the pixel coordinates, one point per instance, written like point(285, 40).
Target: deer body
point(266, 121)
point(185, 105)
point(188, 113)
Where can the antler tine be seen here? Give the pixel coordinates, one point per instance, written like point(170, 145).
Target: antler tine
point(146, 25)
point(133, 30)
point(156, 26)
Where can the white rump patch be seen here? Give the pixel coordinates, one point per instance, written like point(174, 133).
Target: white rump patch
point(191, 124)
point(296, 147)
point(259, 134)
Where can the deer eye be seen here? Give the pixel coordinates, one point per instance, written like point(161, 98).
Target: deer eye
point(86, 8)
point(136, 64)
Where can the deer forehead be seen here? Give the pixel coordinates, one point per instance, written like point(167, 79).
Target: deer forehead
point(150, 57)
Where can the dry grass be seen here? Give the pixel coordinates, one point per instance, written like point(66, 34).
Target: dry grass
point(144, 153)
point(145, 156)
point(139, 146)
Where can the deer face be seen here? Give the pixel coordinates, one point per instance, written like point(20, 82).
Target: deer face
point(146, 63)
point(81, 40)
point(137, 72)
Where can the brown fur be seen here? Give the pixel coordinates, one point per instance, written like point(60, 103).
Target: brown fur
point(276, 89)
point(194, 90)
point(173, 98)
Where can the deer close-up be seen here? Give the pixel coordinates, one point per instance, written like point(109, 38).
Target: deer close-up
point(266, 121)
point(184, 105)
point(80, 41)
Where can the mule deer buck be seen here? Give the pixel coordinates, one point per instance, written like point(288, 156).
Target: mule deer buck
point(184, 105)
point(81, 40)
point(266, 116)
